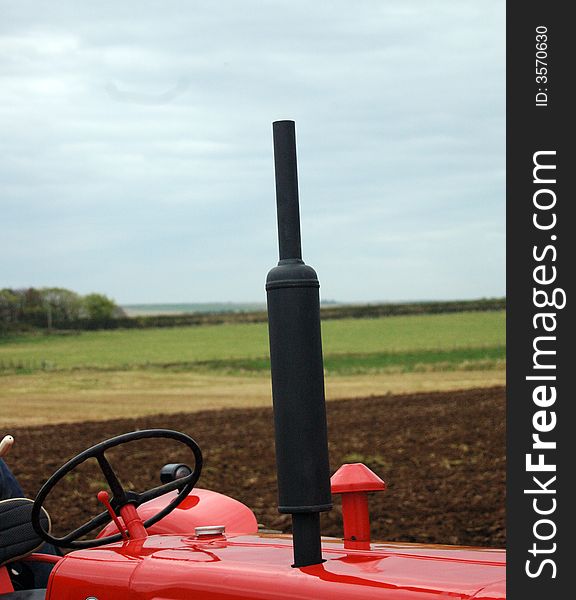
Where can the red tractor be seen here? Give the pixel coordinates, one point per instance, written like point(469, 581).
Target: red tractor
point(179, 542)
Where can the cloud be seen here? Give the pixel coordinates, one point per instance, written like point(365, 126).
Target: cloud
point(136, 146)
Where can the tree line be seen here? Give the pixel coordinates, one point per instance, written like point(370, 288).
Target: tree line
point(336, 311)
point(55, 308)
point(61, 309)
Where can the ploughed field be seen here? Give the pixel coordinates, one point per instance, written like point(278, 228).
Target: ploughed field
point(442, 455)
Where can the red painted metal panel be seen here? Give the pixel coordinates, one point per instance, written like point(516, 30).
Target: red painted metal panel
point(210, 508)
point(258, 567)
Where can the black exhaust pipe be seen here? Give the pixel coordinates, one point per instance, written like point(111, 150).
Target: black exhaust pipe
point(297, 367)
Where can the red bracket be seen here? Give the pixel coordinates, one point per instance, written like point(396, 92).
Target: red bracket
point(5, 581)
point(134, 524)
point(129, 514)
point(354, 481)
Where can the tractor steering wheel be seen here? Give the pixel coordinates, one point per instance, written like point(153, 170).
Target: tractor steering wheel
point(120, 496)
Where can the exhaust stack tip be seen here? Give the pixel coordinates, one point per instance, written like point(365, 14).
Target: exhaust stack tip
point(287, 201)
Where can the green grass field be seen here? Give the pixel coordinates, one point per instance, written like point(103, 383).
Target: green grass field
point(447, 341)
point(128, 373)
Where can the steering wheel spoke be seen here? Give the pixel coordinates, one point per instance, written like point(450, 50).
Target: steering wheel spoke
point(118, 493)
point(120, 496)
point(159, 491)
point(98, 521)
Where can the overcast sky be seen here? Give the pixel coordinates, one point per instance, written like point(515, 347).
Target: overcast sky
point(136, 146)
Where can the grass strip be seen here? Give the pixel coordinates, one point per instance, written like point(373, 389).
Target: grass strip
point(338, 364)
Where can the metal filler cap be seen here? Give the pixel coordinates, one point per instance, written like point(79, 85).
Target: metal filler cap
point(209, 530)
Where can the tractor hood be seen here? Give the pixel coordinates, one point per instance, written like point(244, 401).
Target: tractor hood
point(258, 566)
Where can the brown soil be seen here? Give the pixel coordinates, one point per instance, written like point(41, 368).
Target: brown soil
point(442, 455)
